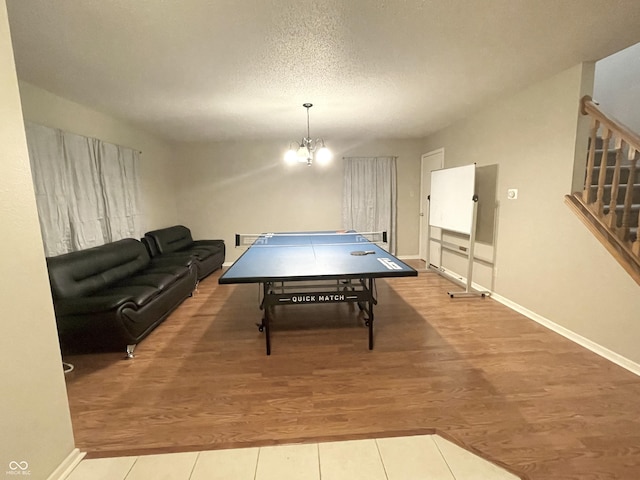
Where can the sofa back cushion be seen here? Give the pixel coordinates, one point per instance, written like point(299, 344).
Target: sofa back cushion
point(150, 244)
point(171, 239)
point(82, 273)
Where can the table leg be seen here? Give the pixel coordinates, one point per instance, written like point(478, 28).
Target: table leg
point(265, 320)
point(370, 313)
point(267, 332)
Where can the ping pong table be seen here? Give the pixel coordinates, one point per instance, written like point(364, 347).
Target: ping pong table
point(314, 267)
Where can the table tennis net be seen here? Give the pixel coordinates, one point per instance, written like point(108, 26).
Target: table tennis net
point(315, 238)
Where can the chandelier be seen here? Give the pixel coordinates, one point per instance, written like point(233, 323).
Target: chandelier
point(308, 149)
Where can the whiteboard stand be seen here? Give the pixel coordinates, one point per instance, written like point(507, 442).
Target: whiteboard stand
point(453, 206)
point(469, 290)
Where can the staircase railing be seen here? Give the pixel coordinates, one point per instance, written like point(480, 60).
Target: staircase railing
point(609, 203)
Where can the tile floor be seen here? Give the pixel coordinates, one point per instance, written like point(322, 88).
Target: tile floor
point(422, 457)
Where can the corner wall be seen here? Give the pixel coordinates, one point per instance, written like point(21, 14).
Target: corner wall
point(245, 187)
point(35, 425)
point(616, 86)
point(546, 260)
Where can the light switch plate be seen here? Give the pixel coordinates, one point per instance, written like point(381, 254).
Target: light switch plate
point(512, 193)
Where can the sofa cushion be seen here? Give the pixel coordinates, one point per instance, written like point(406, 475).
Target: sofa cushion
point(202, 253)
point(171, 239)
point(176, 268)
point(95, 304)
point(157, 280)
point(86, 272)
point(150, 245)
point(139, 294)
point(180, 259)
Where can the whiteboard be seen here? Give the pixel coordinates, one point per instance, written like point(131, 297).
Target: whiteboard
point(451, 198)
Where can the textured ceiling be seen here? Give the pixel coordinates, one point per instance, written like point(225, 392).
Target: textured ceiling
point(220, 70)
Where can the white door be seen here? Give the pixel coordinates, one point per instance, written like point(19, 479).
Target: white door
point(430, 161)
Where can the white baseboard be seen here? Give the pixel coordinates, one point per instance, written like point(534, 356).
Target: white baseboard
point(604, 352)
point(67, 465)
point(408, 257)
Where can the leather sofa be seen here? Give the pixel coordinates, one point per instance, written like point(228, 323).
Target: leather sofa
point(114, 295)
point(177, 243)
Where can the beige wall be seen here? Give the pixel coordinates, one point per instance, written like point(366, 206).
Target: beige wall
point(231, 187)
point(157, 181)
point(35, 425)
point(616, 87)
point(546, 260)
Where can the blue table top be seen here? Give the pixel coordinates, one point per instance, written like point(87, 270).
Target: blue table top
point(297, 256)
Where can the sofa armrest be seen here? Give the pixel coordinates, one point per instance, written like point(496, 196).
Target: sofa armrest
point(84, 305)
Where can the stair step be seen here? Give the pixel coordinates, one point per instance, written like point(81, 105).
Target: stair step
point(633, 218)
point(635, 207)
point(622, 192)
point(599, 142)
point(611, 157)
point(610, 150)
point(625, 170)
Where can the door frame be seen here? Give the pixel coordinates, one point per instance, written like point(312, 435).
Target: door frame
point(424, 158)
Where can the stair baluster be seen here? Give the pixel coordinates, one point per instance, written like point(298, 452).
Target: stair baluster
point(591, 160)
point(612, 216)
point(614, 220)
point(628, 198)
point(602, 178)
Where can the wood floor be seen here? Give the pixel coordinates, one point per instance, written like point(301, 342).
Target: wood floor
point(471, 370)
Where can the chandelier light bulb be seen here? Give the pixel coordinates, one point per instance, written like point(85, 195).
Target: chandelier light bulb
point(291, 156)
point(303, 154)
point(323, 155)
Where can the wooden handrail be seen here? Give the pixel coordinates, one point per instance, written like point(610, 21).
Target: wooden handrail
point(589, 107)
point(612, 221)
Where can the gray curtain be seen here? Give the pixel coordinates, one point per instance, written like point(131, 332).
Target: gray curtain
point(369, 196)
point(87, 191)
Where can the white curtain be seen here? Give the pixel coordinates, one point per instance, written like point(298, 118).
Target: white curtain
point(87, 191)
point(119, 180)
point(369, 196)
